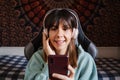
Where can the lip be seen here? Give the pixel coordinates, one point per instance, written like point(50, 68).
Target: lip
point(59, 42)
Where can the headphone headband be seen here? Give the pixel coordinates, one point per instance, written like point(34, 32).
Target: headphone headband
point(69, 10)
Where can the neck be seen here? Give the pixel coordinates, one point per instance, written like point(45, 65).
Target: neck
point(61, 52)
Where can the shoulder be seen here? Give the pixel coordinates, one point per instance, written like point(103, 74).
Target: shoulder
point(86, 69)
point(84, 56)
point(38, 56)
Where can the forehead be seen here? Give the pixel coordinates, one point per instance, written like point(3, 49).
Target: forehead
point(61, 21)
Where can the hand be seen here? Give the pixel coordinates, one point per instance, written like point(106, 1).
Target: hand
point(46, 47)
point(64, 77)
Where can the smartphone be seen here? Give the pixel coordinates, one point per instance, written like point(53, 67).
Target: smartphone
point(57, 64)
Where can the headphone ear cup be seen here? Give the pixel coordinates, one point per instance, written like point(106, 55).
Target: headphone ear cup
point(46, 32)
point(75, 33)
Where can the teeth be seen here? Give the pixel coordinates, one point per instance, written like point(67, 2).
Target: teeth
point(59, 42)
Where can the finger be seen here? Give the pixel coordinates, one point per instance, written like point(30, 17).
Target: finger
point(59, 76)
point(72, 71)
point(44, 36)
point(45, 40)
point(46, 46)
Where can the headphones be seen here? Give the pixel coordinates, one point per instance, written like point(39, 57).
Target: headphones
point(75, 30)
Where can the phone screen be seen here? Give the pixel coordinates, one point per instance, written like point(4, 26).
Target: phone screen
point(57, 64)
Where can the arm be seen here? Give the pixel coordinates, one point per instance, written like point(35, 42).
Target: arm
point(36, 68)
point(89, 71)
point(86, 67)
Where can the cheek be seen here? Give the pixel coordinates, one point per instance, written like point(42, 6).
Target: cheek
point(69, 34)
point(51, 35)
point(69, 38)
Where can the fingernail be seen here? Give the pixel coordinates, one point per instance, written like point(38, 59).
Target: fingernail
point(53, 74)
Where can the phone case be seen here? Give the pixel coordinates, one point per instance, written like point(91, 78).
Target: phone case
point(57, 64)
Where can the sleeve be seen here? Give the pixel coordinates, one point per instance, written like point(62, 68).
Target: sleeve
point(36, 69)
point(87, 69)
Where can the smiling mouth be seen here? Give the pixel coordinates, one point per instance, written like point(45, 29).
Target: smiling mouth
point(59, 42)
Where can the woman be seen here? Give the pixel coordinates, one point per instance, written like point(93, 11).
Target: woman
point(59, 38)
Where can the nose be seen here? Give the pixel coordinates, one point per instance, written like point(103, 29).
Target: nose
point(60, 32)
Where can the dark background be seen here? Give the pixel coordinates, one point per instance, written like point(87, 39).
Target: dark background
point(21, 20)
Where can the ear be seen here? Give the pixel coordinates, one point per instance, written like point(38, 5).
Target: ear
point(75, 33)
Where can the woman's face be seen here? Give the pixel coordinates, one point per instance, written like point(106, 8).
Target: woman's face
point(60, 36)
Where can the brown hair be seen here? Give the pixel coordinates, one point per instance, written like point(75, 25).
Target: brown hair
point(54, 17)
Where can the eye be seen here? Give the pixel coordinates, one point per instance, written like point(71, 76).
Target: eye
point(65, 27)
point(53, 28)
